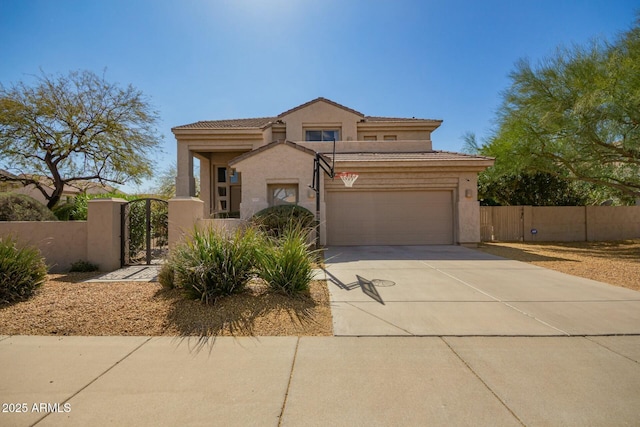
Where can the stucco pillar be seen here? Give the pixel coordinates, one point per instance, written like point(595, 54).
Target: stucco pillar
point(104, 233)
point(205, 184)
point(184, 213)
point(468, 209)
point(468, 223)
point(185, 182)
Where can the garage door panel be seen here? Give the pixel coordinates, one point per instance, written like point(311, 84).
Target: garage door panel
point(389, 217)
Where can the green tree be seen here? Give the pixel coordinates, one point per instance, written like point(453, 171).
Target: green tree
point(575, 116)
point(532, 189)
point(75, 128)
point(165, 182)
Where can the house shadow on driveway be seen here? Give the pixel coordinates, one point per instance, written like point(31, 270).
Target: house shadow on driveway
point(345, 254)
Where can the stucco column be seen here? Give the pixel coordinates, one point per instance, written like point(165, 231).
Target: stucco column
point(184, 213)
point(104, 233)
point(468, 223)
point(185, 182)
point(468, 210)
point(205, 184)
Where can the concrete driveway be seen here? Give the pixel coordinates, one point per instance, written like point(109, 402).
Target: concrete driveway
point(455, 291)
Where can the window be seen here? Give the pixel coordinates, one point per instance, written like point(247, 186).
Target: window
point(222, 174)
point(322, 135)
point(390, 137)
point(283, 194)
point(371, 138)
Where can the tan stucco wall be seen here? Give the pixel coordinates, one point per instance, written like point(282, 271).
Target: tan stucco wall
point(184, 213)
point(280, 164)
point(367, 146)
point(226, 226)
point(60, 242)
point(400, 134)
point(103, 233)
point(321, 115)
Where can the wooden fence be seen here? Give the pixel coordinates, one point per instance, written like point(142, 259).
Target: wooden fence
point(559, 223)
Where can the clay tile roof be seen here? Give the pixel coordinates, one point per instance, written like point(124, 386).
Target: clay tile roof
point(262, 122)
point(419, 156)
point(268, 147)
point(328, 101)
point(397, 119)
point(258, 122)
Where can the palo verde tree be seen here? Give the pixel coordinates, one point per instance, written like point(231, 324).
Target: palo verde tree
point(65, 130)
point(575, 116)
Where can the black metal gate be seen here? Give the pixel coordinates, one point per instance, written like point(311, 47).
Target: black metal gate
point(144, 231)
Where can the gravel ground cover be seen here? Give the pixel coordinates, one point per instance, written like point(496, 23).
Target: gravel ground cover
point(66, 306)
point(616, 263)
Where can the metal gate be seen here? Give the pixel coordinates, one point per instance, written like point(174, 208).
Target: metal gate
point(144, 231)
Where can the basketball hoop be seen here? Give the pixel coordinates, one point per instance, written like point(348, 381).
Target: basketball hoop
point(348, 178)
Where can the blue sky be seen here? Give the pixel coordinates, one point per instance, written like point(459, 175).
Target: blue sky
point(207, 60)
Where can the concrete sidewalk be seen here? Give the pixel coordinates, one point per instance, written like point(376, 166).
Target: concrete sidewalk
point(345, 381)
point(455, 291)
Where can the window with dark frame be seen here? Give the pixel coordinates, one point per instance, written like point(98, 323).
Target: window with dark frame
point(322, 135)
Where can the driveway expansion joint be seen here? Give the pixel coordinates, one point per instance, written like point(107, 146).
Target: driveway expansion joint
point(502, 402)
point(589, 337)
point(496, 299)
point(377, 317)
point(286, 393)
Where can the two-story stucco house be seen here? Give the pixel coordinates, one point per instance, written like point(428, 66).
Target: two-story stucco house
point(406, 193)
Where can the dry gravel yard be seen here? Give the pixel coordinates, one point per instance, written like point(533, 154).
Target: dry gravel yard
point(616, 263)
point(66, 306)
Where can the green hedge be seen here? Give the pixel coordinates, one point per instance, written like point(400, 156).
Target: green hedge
point(20, 207)
point(275, 220)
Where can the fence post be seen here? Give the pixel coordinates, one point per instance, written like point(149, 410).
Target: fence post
point(184, 213)
point(103, 233)
point(527, 223)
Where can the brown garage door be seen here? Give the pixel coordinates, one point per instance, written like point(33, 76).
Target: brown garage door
point(390, 218)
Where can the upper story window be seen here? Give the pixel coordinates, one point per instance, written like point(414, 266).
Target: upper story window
point(322, 135)
point(390, 137)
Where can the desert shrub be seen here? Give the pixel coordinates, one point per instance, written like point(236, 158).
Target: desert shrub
point(209, 265)
point(166, 276)
point(22, 271)
point(276, 219)
point(20, 207)
point(64, 211)
point(286, 264)
point(82, 266)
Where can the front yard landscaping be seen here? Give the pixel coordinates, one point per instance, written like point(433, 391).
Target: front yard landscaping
point(65, 306)
point(616, 263)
